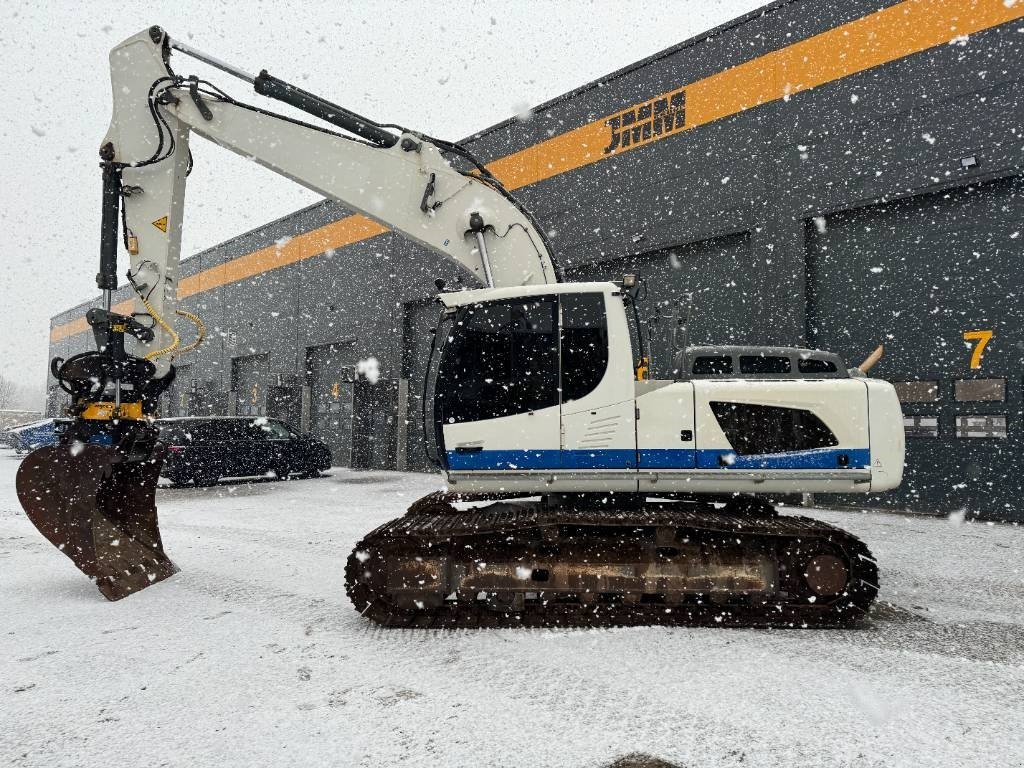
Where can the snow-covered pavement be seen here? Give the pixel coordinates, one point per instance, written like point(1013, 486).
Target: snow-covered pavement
point(253, 656)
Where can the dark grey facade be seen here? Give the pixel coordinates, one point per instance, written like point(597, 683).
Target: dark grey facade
point(882, 206)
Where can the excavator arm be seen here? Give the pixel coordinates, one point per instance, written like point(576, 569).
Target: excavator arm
point(432, 192)
point(93, 494)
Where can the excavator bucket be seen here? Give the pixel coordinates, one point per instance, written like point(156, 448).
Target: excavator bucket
point(97, 506)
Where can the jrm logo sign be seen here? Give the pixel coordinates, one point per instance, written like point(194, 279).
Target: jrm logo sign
point(649, 121)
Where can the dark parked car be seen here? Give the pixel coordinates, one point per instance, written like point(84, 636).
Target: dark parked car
point(36, 434)
point(203, 450)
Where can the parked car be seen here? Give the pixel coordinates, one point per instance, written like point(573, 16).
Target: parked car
point(202, 450)
point(36, 434)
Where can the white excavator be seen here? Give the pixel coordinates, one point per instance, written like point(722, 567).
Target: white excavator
point(580, 491)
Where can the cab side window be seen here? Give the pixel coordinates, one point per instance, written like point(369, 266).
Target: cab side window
point(584, 344)
point(712, 365)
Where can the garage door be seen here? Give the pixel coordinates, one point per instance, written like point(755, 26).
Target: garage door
point(285, 403)
point(719, 274)
point(374, 424)
point(248, 382)
point(330, 369)
point(939, 279)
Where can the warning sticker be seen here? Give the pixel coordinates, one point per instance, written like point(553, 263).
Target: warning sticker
point(161, 223)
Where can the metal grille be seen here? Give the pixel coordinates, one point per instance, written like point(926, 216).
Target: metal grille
point(921, 426)
point(981, 426)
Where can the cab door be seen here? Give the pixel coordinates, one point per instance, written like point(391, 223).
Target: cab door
point(597, 384)
point(498, 406)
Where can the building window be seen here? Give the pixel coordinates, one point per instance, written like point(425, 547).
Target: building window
point(921, 426)
point(979, 390)
point(502, 360)
point(978, 425)
point(815, 365)
point(917, 391)
point(764, 364)
point(712, 365)
point(584, 344)
point(758, 429)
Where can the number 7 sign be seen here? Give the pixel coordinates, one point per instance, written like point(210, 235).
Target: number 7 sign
point(982, 338)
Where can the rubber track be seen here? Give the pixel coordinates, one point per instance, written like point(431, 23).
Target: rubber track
point(433, 521)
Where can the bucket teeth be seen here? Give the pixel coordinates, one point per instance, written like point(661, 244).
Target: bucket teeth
point(98, 508)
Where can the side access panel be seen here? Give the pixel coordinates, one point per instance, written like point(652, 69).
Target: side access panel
point(840, 404)
point(784, 436)
point(665, 437)
point(791, 429)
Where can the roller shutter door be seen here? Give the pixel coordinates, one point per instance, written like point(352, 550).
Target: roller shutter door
point(934, 277)
point(331, 369)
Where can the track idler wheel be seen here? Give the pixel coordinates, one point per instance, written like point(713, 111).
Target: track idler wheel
point(98, 508)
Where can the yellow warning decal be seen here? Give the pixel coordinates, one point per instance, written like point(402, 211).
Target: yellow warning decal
point(161, 223)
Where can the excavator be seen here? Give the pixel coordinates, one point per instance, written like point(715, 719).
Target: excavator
point(580, 491)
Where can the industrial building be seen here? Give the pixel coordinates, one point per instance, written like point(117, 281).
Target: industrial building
point(836, 174)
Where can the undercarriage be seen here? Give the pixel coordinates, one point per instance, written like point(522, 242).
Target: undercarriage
point(617, 561)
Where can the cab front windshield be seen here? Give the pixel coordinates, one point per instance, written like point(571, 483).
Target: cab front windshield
point(514, 356)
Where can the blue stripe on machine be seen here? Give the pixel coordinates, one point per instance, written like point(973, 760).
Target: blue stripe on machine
point(604, 458)
point(816, 458)
point(510, 460)
point(667, 458)
point(655, 458)
point(543, 459)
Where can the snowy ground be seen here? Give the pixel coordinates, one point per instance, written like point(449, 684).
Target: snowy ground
point(253, 656)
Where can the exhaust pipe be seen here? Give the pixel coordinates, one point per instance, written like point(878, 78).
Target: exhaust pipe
point(871, 360)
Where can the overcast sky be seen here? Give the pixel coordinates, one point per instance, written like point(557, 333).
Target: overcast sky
point(446, 68)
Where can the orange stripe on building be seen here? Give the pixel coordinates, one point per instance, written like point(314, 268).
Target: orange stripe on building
point(881, 37)
point(337, 234)
point(878, 38)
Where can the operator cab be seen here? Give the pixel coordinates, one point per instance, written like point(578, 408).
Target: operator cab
point(521, 361)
